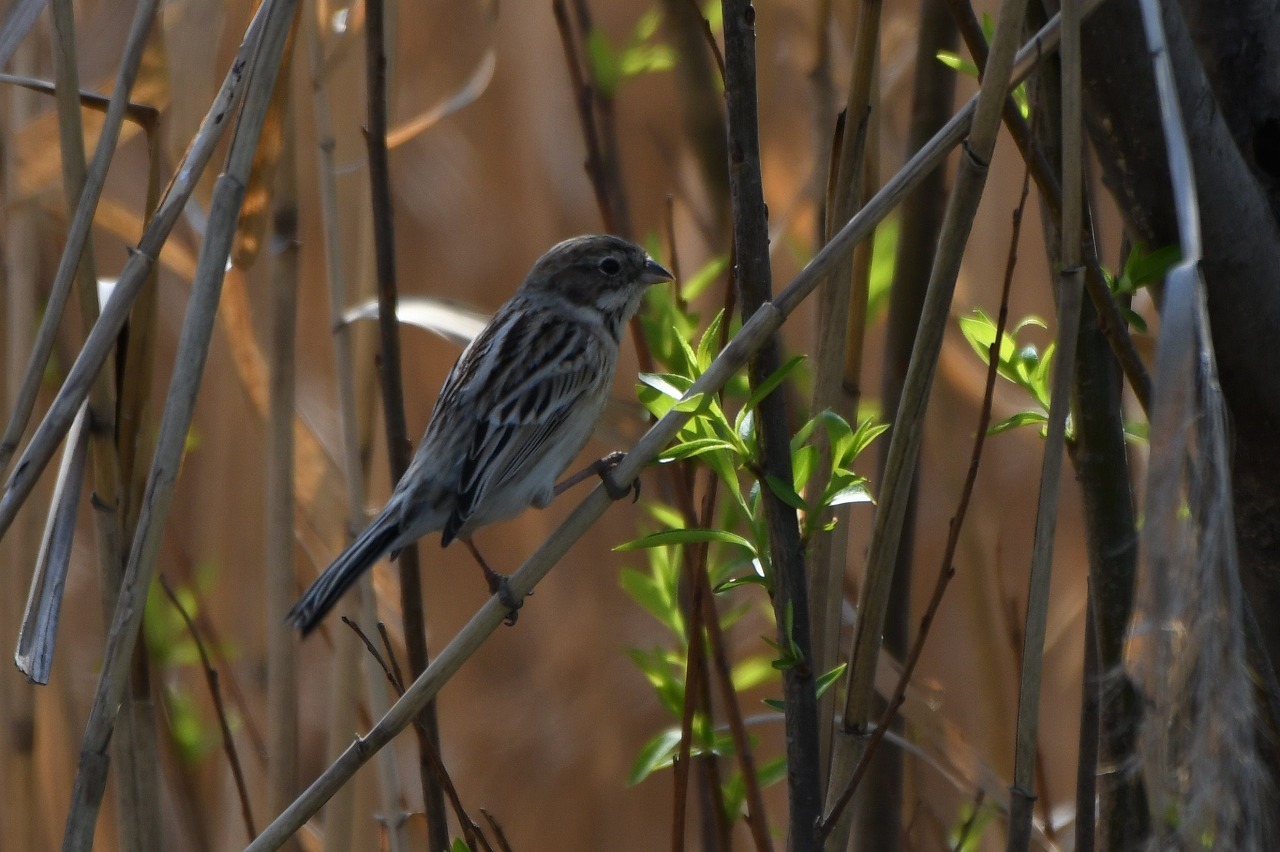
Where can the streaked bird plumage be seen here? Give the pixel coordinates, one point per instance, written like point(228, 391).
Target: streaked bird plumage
point(518, 406)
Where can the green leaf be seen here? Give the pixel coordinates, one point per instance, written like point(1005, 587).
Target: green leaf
point(1142, 267)
point(459, 845)
point(956, 62)
point(776, 704)
point(774, 379)
point(646, 59)
point(709, 342)
point(691, 403)
point(695, 447)
point(658, 753)
point(884, 254)
point(1022, 418)
point(825, 681)
point(647, 26)
point(693, 286)
point(686, 536)
point(784, 492)
point(854, 493)
point(668, 384)
point(647, 591)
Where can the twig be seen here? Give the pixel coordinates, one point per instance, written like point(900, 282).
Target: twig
point(392, 384)
point(219, 710)
point(966, 829)
point(339, 819)
point(280, 496)
point(391, 668)
point(143, 115)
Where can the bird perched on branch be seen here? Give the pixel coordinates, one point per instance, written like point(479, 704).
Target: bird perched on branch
point(515, 410)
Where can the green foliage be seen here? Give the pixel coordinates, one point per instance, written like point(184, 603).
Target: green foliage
point(610, 66)
point(972, 825)
point(958, 63)
point(720, 437)
point(1018, 361)
point(172, 649)
point(1141, 268)
point(884, 255)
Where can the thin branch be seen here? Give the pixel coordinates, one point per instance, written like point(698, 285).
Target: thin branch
point(219, 710)
point(1070, 295)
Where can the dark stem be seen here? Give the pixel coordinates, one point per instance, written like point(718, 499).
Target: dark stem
point(1087, 764)
point(219, 710)
point(753, 278)
point(391, 381)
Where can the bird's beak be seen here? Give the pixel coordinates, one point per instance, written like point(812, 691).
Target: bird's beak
point(655, 273)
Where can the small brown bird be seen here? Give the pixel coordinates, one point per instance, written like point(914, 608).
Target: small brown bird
point(515, 410)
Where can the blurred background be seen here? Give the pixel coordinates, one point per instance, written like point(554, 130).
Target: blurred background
point(542, 727)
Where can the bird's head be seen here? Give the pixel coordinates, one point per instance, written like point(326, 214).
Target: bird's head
point(598, 271)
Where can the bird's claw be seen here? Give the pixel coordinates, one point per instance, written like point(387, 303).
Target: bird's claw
point(611, 486)
point(500, 585)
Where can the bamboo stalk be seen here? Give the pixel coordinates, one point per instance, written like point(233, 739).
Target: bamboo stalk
point(282, 642)
point(189, 366)
point(841, 320)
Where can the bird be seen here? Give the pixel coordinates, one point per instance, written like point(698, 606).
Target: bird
point(516, 409)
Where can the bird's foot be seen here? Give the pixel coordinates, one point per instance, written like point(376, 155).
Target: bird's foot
point(500, 585)
point(604, 468)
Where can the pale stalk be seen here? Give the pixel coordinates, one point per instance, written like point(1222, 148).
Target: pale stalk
point(282, 643)
point(1070, 294)
point(22, 830)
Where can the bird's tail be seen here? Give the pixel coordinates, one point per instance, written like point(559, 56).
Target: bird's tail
point(342, 574)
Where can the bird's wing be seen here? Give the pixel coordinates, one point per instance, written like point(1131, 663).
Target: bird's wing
point(526, 382)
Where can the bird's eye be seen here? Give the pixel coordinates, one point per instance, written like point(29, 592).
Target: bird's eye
point(610, 266)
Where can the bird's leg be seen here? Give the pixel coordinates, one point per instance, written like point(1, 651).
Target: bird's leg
point(603, 468)
point(498, 584)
